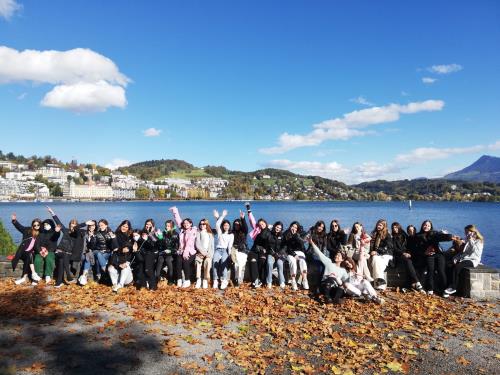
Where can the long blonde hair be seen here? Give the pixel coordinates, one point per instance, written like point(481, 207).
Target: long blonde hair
point(472, 228)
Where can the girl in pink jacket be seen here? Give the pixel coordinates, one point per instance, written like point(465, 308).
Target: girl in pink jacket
point(187, 250)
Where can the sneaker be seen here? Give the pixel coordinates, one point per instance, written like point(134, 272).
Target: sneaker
point(282, 285)
point(381, 285)
point(198, 284)
point(58, 285)
point(378, 300)
point(34, 283)
point(47, 279)
point(82, 280)
point(305, 284)
point(205, 284)
point(417, 286)
point(179, 283)
point(446, 295)
point(186, 284)
point(223, 284)
point(294, 285)
point(216, 284)
point(35, 277)
point(257, 284)
point(269, 286)
point(240, 282)
point(430, 292)
point(450, 291)
point(116, 288)
point(20, 281)
point(71, 280)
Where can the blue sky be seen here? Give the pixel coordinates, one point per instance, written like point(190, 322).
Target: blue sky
point(399, 89)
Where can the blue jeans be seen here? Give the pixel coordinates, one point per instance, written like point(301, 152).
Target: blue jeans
point(271, 261)
point(101, 260)
point(85, 263)
point(220, 264)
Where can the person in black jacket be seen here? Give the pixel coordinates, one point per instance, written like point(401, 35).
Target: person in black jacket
point(428, 244)
point(276, 254)
point(381, 250)
point(167, 247)
point(258, 254)
point(335, 238)
point(239, 252)
point(119, 268)
point(294, 245)
point(45, 257)
point(402, 254)
point(149, 252)
point(105, 244)
point(26, 249)
point(88, 252)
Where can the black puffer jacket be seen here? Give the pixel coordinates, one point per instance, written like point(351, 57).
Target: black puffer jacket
point(25, 242)
point(426, 242)
point(240, 236)
point(275, 245)
point(48, 237)
point(293, 242)
point(68, 238)
point(385, 247)
point(104, 241)
point(399, 243)
point(169, 244)
point(334, 240)
point(260, 243)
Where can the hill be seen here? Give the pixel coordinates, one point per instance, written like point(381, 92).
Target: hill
point(486, 168)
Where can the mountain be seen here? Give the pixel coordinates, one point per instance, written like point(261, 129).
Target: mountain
point(485, 169)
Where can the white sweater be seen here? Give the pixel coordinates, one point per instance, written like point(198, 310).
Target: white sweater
point(224, 240)
point(472, 251)
point(331, 269)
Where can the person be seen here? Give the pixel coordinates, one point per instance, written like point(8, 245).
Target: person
point(204, 253)
point(276, 255)
point(295, 249)
point(168, 247)
point(334, 276)
point(469, 257)
point(45, 256)
point(336, 238)
point(428, 244)
point(239, 252)
point(105, 244)
point(150, 248)
point(26, 249)
point(187, 251)
point(403, 255)
point(381, 250)
point(359, 241)
point(357, 285)
point(223, 248)
point(89, 249)
point(257, 256)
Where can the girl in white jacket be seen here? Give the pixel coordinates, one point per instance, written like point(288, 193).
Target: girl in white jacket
point(204, 245)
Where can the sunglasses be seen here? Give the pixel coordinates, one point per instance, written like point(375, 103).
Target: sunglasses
point(36, 225)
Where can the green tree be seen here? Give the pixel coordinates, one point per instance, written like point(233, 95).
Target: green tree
point(142, 192)
point(7, 245)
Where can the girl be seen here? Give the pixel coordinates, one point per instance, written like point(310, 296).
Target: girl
point(402, 254)
point(381, 249)
point(223, 248)
point(296, 253)
point(336, 238)
point(90, 247)
point(119, 268)
point(26, 249)
point(168, 247)
point(105, 244)
point(469, 257)
point(239, 252)
point(150, 237)
point(45, 258)
point(205, 253)
point(359, 240)
point(258, 254)
point(357, 285)
point(187, 251)
point(276, 254)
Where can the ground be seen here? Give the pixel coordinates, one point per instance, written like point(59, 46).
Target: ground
point(88, 330)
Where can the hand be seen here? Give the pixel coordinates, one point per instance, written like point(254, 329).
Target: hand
point(242, 215)
point(58, 227)
point(224, 212)
point(172, 209)
point(407, 255)
point(112, 234)
point(216, 214)
point(373, 253)
point(135, 247)
point(123, 265)
point(247, 205)
point(455, 261)
point(125, 250)
point(144, 236)
point(89, 222)
point(13, 217)
point(51, 211)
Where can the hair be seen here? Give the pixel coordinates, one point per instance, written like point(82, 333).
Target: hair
point(401, 231)
point(423, 223)
point(208, 228)
point(171, 222)
point(188, 220)
point(350, 240)
point(95, 225)
point(379, 235)
point(129, 232)
point(331, 226)
point(73, 221)
point(354, 267)
point(408, 229)
point(149, 221)
point(222, 225)
point(472, 228)
point(34, 232)
point(276, 224)
point(288, 233)
point(334, 254)
point(103, 221)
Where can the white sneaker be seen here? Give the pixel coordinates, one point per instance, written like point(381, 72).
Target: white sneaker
point(35, 277)
point(294, 285)
point(223, 284)
point(58, 285)
point(205, 284)
point(34, 283)
point(305, 284)
point(269, 286)
point(257, 284)
point(216, 284)
point(430, 292)
point(186, 284)
point(116, 288)
point(47, 279)
point(198, 284)
point(82, 280)
point(179, 283)
point(282, 285)
point(20, 281)
point(450, 291)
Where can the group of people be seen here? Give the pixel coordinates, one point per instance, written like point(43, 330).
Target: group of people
point(347, 262)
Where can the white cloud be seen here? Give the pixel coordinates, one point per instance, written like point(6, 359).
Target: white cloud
point(445, 69)
point(361, 100)
point(8, 8)
point(84, 80)
point(85, 97)
point(117, 163)
point(348, 126)
point(428, 80)
point(151, 132)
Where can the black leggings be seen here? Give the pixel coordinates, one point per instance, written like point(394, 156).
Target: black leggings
point(457, 269)
point(432, 261)
point(185, 265)
point(331, 290)
point(258, 266)
point(62, 262)
point(27, 258)
point(165, 260)
point(150, 268)
point(410, 268)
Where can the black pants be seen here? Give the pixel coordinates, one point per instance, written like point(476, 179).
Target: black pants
point(331, 290)
point(436, 262)
point(168, 261)
point(62, 266)
point(258, 266)
point(150, 258)
point(457, 269)
point(185, 265)
point(27, 258)
point(410, 268)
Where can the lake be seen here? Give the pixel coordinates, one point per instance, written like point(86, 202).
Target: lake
point(451, 216)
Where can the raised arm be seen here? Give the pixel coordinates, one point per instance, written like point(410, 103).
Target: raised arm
point(244, 225)
point(220, 219)
point(21, 228)
point(177, 217)
point(322, 257)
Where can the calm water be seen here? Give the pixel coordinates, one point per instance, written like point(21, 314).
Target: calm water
point(452, 216)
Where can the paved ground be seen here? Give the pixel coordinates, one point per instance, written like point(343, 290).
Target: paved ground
point(92, 330)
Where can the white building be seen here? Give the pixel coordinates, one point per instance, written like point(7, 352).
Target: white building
point(71, 190)
point(123, 194)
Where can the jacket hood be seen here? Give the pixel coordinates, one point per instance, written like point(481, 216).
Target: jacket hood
point(52, 226)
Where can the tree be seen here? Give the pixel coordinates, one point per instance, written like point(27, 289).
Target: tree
point(7, 245)
point(142, 192)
